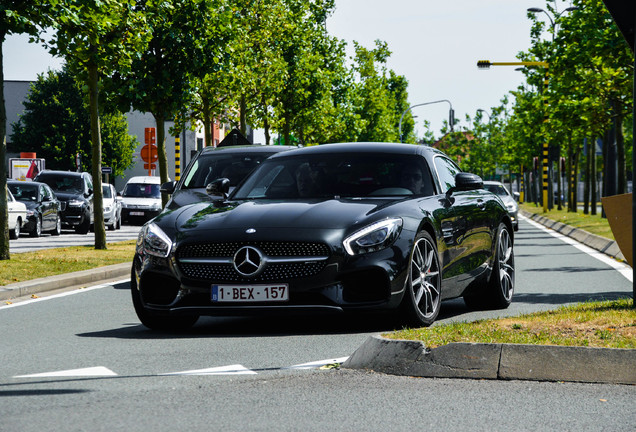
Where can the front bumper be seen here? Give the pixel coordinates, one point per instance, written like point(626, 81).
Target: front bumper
point(372, 281)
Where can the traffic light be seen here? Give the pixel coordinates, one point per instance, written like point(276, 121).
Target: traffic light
point(483, 64)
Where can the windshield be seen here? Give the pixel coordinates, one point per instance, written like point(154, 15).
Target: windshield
point(63, 184)
point(211, 166)
point(497, 189)
point(338, 175)
point(24, 192)
point(140, 190)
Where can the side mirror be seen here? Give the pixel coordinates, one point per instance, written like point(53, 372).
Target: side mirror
point(219, 187)
point(168, 188)
point(516, 195)
point(466, 182)
point(90, 192)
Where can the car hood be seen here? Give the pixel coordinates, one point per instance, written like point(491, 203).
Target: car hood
point(273, 216)
point(141, 201)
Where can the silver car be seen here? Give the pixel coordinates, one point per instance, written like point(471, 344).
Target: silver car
point(511, 204)
point(112, 207)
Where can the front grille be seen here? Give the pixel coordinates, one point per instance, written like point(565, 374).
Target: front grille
point(273, 271)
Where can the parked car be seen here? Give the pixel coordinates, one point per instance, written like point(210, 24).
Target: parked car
point(509, 201)
point(112, 206)
point(329, 228)
point(43, 208)
point(211, 163)
point(17, 216)
point(75, 192)
point(141, 199)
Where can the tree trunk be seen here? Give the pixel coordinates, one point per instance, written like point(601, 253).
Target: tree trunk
point(593, 184)
point(265, 122)
point(207, 122)
point(161, 153)
point(588, 177)
point(621, 186)
point(4, 207)
point(98, 203)
point(243, 115)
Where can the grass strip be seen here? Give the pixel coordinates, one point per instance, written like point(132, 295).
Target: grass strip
point(604, 324)
point(50, 262)
point(594, 224)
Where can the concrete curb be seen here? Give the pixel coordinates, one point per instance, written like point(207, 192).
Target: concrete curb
point(601, 244)
point(496, 361)
point(34, 286)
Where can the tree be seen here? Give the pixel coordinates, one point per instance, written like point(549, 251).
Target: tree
point(97, 37)
point(56, 121)
point(16, 17)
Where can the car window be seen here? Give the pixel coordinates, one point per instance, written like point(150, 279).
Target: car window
point(341, 175)
point(497, 189)
point(209, 167)
point(24, 192)
point(63, 184)
point(446, 172)
point(107, 192)
point(142, 190)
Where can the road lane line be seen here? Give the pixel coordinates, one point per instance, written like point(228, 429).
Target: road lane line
point(623, 269)
point(64, 294)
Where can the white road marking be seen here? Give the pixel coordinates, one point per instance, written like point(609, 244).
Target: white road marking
point(236, 369)
point(85, 372)
point(64, 294)
point(319, 363)
point(623, 269)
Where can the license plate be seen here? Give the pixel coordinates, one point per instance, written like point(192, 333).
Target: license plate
point(133, 213)
point(250, 293)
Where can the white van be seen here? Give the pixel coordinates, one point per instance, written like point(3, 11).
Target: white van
point(141, 199)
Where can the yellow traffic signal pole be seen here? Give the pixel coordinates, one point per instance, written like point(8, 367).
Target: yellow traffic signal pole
point(485, 64)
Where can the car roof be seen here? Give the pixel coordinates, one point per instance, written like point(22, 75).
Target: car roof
point(145, 180)
point(26, 182)
point(66, 173)
point(254, 148)
point(366, 147)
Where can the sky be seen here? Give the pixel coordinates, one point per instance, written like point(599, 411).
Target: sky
point(435, 45)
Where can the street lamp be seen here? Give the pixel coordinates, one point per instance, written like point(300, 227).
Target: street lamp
point(485, 64)
point(451, 114)
point(553, 22)
point(485, 112)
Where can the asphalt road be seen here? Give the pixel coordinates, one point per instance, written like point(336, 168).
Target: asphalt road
point(82, 361)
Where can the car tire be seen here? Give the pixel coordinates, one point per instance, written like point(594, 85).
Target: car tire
point(85, 226)
point(498, 292)
point(58, 226)
point(156, 322)
point(422, 297)
point(37, 229)
point(14, 234)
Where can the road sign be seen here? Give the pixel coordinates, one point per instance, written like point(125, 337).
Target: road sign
point(107, 170)
point(150, 166)
point(150, 136)
point(149, 153)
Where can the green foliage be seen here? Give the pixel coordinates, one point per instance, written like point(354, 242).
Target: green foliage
point(56, 124)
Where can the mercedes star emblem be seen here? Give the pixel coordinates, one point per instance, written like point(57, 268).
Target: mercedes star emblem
point(248, 261)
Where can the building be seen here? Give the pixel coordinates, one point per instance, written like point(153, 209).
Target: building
point(191, 141)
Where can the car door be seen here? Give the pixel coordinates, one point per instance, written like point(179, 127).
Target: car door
point(49, 212)
point(465, 229)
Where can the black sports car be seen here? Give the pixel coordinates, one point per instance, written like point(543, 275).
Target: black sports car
point(334, 227)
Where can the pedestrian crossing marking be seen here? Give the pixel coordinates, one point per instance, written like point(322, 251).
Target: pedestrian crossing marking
point(84, 372)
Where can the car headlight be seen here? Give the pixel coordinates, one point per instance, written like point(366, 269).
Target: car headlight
point(153, 241)
point(155, 207)
point(30, 212)
point(107, 209)
point(511, 207)
point(75, 203)
point(374, 237)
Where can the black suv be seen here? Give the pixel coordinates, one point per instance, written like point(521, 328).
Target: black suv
point(75, 192)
